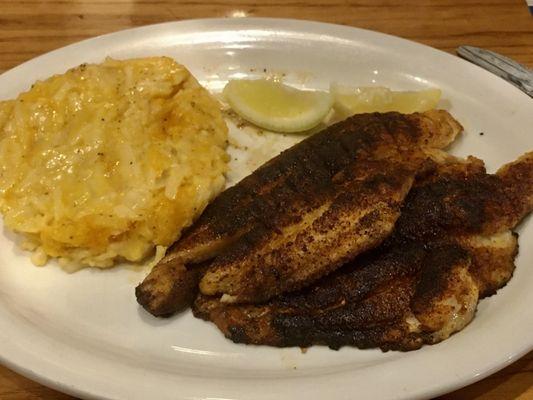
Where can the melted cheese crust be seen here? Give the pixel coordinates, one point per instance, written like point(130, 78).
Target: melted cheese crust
point(107, 161)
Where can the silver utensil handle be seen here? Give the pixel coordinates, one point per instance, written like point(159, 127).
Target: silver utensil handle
point(502, 66)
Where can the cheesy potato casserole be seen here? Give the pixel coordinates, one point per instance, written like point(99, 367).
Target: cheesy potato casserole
point(108, 161)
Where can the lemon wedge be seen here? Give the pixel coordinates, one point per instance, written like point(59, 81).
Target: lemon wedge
point(349, 101)
point(277, 107)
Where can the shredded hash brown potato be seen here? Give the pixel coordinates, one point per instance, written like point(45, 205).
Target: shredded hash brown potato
point(108, 161)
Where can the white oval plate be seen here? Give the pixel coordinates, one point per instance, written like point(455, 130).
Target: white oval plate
point(84, 333)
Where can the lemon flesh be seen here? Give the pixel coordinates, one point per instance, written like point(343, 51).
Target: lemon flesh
point(277, 107)
point(349, 101)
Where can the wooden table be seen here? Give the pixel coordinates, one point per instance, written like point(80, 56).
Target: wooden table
point(30, 27)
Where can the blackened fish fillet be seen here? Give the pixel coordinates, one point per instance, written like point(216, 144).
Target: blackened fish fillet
point(451, 246)
point(339, 189)
point(316, 233)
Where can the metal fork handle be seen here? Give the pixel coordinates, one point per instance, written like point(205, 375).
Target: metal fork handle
point(502, 66)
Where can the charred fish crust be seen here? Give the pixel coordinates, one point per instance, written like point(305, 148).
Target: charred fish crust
point(332, 156)
point(171, 288)
point(451, 205)
point(412, 289)
point(238, 334)
point(301, 332)
point(433, 279)
point(293, 330)
point(329, 210)
point(381, 266)
point(406, 129)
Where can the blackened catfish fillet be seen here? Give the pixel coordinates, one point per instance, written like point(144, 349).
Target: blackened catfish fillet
point(316, 231)
point(370, 302)
point(451, 246)
point(339, 189)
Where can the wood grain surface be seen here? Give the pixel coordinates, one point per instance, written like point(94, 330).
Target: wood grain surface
point(30, 27)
